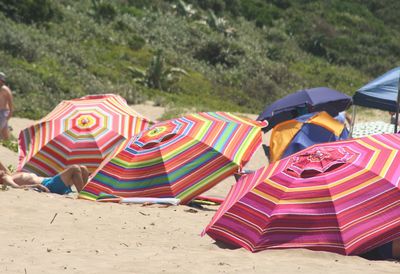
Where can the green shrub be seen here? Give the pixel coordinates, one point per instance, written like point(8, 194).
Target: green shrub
point(218, 6)
point(157, 75)
point(10, 144)
point(103, 10)
point(298, 44)
point(262, 13)
point(136, 42)
point(220, 52)
point(133, 11)
point(29, 11)
point(18, 44)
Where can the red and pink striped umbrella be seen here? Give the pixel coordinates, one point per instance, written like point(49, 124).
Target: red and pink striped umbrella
point(342, 197)
point(80, 131)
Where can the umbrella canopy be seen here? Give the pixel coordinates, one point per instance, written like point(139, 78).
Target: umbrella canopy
point(178, 158)
point(294, 135)
point(342, 197)
point(380, 93)
point(305, 101)
point(80, 131)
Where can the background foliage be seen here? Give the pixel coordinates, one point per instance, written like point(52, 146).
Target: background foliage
point(236, 55)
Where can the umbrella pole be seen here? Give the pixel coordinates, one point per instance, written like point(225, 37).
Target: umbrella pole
point(397, 106)
point(353, 119)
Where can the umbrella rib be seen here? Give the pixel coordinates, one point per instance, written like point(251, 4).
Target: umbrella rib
point(336, 217)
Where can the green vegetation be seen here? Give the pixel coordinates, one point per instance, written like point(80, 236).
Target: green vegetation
point(157, 76)
point(10, 144)
point(229, 55)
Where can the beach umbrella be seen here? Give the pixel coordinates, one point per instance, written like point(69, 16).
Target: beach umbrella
point(305, 101)
point(313, 128)
point(178, 158)
point(341, 197)
point(80, 131)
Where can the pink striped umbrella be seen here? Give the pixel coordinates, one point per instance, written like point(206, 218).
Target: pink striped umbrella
point(341, 197)
point(80, 131)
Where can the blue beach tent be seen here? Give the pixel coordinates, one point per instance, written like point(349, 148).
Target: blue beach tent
point(380, 93)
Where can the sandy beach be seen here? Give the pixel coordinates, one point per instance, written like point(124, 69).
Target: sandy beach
point(49, 233)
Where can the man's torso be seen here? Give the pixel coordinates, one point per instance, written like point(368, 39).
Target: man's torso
point(4, 97)
point(25, 178)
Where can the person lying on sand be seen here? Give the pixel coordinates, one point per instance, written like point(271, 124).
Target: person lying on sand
point(61, 183)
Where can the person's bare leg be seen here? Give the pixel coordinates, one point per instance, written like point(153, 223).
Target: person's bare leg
point(73, 176)
point(84, 174)
point(5, 133)
point(2, 136)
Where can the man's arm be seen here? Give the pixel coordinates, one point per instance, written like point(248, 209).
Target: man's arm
point(10, 102)
point(3, 168)
point(7, 180)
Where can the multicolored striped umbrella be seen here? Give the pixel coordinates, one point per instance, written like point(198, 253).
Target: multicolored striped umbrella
point(80, 131)
point(342, 197)
point(178, 158)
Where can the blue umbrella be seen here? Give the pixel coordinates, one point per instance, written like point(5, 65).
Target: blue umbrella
point(305, 101)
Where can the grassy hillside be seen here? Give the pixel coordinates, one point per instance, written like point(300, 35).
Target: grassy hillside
point(232, 55)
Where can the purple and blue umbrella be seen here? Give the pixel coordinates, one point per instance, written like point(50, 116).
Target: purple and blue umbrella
point(305, 101)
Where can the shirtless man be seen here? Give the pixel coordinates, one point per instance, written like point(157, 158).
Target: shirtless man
point(6, 107)
point(61, 183)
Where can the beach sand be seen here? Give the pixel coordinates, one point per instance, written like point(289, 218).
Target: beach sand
point(49, 233)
